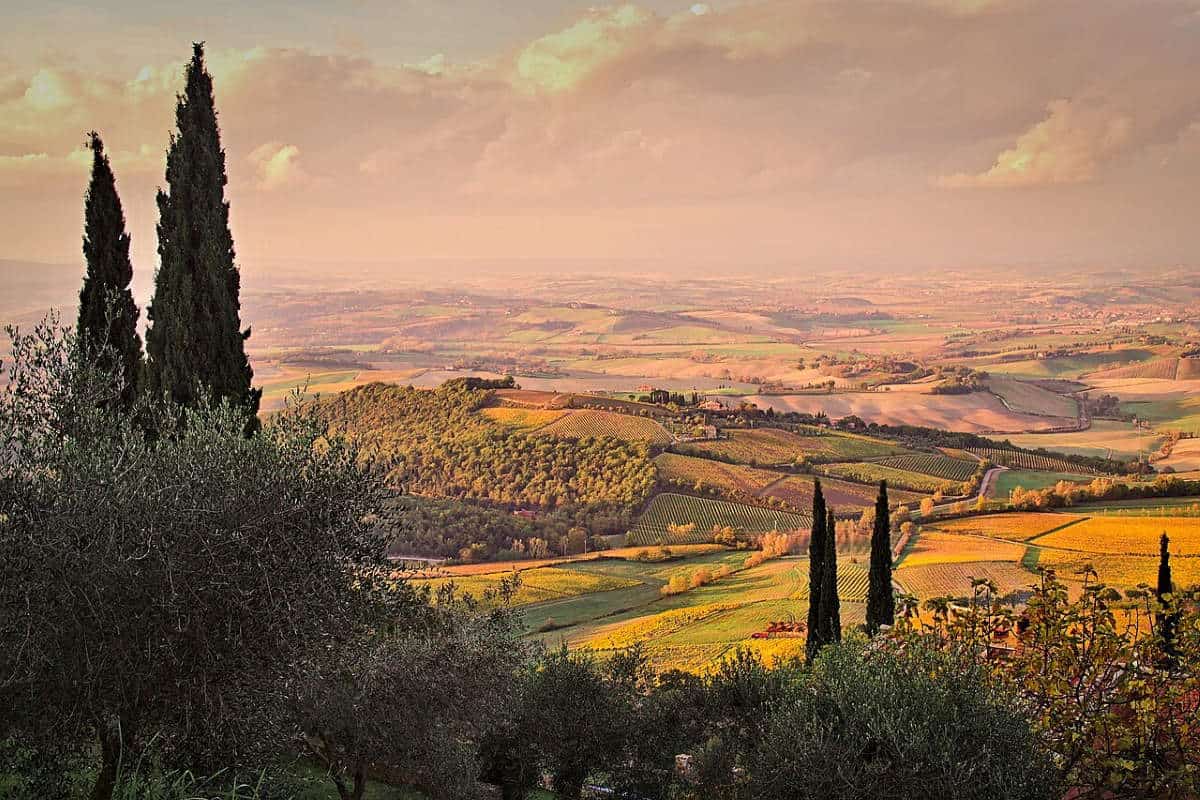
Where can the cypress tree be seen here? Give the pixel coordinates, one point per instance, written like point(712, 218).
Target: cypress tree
point(1168, 620)
point(881, 605)
point(107, 314)
point(816, 567)
point(195, 338)
point(831, 612)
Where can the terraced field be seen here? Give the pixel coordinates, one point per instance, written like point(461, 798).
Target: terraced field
point(587, 423)
point(954, 580)
point(1031, 461)
point(950, 469)
point(797, 491)
point(677, 509)
point(774, 446)
point(1126, 536)
point(870, 472)
point(704, 473)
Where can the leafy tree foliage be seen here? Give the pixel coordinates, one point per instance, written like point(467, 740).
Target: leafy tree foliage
point(413, 700)
point(153, 589)
point(432, 443)
point(194, 344)
point(868, 723)
point(830, 624)
point(881, 605)
point(107, 314)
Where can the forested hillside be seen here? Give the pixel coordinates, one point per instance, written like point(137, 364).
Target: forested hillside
point(432, 443)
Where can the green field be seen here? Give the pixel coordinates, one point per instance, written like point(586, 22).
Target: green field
point(677, 509)
point(1008, 480)
point(1152, 507)
point(776, 446)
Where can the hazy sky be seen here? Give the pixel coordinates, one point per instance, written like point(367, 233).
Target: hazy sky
point(789, 134)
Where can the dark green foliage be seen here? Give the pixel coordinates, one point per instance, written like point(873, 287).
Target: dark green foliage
point(195, 342)
point(921, 724)
point(831, 612)
point(433, 443)
point(881, 603)
point(107, 314)
point(816, 567)
point(1168, 620)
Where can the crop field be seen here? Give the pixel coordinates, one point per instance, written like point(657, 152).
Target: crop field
point(677, 509)
point(934, 547)
point(950, 469)
point(537, 585)
point(1127, 536)
point(1016, 527)
point(1029, 398)
point(797, 491)
point(1104, 438)
point(523, 419)
point(971, 413)
point(1031, 461)
point(1185, 456)
point(869, 472)
point(1164, 368)
point(1122, 572)
point(704, 472)
point(1010, 479)
point(584, 424)
point(954, 580)
point(774, 446)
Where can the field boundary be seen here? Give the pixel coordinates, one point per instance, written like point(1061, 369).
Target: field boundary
point(1056, 529)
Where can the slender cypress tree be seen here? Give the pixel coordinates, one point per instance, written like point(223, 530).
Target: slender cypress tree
point(107, 314)
point(881, 604)
point(195, 338)
point(831, 611)
point(816, 567)
point(1168, 619)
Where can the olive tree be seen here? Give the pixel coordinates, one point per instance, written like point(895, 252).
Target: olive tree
point(156, 587)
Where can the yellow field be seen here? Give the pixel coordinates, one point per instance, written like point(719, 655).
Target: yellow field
point(649, 628)
point(1014, 527)
point(582, 424)
point(1127, 535)
point(525, 419)
point(537, 585)
point(932, 547)
point(488, 567)
point(1122, 572)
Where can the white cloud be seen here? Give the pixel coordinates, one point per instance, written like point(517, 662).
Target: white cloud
point(277, 165)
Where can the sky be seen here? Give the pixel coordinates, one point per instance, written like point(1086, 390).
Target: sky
point(768, 135)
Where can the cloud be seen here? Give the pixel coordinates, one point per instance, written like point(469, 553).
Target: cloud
point(564, 59)
point(277, 165)
point(1069, 146)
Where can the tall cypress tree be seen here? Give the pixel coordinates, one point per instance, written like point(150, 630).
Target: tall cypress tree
point(1168, 619)
point(195, 338)
point(831, 611)
point(881, 604)
point(107, 314)
point(816, 567)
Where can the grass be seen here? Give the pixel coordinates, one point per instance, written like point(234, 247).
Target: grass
point(1126, 536)
point(1152, 507)
point(874, 473)
point(677, 509)
point(1030, 479)
point(537, 585)
point(1028, 398)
